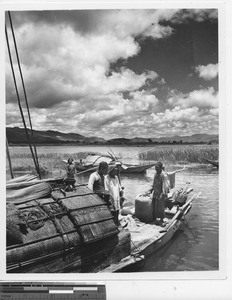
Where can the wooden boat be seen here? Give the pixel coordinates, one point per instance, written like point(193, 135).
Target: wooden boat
point(49, 232)
point(91, 163)
point(147, 238)
point(136, 168)
point(215, 163)
point(58, 233)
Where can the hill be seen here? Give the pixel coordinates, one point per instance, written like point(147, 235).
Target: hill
point(17, 135)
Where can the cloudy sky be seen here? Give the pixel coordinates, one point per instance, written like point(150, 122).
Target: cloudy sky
point(117, 73)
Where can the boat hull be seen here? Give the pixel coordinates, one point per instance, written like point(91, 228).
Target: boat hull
point(215, 163)
point(146, 239)
point(62, 242)
point(138, 169)
point(62, 233)
point(87, 259)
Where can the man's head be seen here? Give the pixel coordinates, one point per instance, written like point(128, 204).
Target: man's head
point(103, 168)
point(159, 167)
point(70, 160)
point(118, 165)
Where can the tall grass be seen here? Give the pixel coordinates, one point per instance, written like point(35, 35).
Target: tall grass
point(53, 162)
point(193, 155)
point(48, 162)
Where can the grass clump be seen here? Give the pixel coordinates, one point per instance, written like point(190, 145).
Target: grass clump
point(48, 162)
point(193, 155)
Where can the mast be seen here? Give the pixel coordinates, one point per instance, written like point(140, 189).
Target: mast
point(29, 138)
point(9, 158)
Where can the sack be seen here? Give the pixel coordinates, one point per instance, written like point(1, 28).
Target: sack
point(127, 211)
point(175, 195)
point(144, 208)
point(179, 196)
point(182, 197)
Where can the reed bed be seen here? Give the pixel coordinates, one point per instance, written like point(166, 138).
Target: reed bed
point(48, 162)
point(53, 162)
point(177, 155)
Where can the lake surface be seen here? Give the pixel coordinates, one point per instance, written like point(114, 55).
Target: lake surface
point(193, 249)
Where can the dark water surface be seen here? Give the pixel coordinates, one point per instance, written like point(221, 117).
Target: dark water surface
point(193, 249)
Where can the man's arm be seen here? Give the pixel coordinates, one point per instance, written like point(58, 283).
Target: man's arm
point(106, 184)
point(92, 179)
point(166, 184)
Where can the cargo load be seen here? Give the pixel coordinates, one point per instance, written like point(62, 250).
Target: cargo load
point(144, 208)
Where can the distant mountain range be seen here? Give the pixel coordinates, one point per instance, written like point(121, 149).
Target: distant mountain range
point(17, 136)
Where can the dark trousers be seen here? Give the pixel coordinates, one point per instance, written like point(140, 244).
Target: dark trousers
point(115, 214)
point(158, 207)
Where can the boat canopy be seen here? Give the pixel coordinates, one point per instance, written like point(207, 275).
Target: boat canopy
point(96, 159)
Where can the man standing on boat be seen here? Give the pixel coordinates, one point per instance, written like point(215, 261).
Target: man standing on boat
point(97, 181)
point(113, 186)
point(70, 179)
point(160, 189)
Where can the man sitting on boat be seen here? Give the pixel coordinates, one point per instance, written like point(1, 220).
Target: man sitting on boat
point(69, 179)
point(112, 185)
point(97, 181)
point(160, 189)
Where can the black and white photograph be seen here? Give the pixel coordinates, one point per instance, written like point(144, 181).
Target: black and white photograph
point(113, 122)
point(115, 118)
point(112, 140)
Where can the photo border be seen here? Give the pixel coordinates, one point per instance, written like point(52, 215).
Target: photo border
point(202, 278)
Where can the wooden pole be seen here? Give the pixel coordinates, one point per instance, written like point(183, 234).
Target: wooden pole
point(9, 159)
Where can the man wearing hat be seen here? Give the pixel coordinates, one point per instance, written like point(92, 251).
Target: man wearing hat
point(113, 186)
point(160, 189)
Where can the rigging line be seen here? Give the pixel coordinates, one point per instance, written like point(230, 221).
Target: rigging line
point(24, 89)
point(9, 159)
point(20, 107)
point(113, 153)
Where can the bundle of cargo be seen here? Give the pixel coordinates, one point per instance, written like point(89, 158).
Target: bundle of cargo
point(62, 234)
point(24, 178)
point(144, 208)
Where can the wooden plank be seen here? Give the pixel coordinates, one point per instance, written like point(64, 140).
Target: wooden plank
point(179, 213)
point(125, 264)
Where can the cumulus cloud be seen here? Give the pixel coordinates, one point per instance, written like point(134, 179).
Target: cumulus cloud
point(198, 15)
point(119, 111)
point(208, 72)
point(158, 31)
point(60, 63)
point(67, 58)
point(195, 112)
point(186, 121)
point(204, 98)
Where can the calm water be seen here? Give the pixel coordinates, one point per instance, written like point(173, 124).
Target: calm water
point(191, 249)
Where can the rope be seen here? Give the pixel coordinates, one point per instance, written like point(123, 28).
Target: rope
point(9, 159)
point(33, 219)
point(136, 251)
point(34, 156)
point(52, 214)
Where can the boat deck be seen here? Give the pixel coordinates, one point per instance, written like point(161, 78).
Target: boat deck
point(144, 234)
point(145, 240)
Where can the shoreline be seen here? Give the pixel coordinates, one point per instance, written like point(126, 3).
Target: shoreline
point(115, 145)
